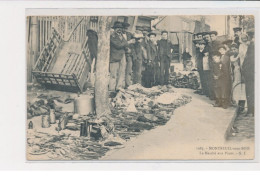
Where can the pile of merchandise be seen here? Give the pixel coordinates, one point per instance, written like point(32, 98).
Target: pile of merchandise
point(137, 108)
point(189, 80)
point(133, 111)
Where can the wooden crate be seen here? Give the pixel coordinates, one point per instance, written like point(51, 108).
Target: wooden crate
point(62, 65)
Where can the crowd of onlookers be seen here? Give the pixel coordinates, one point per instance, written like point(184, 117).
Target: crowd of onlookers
point(141, 59)
point(224, 65)
point(138, 58)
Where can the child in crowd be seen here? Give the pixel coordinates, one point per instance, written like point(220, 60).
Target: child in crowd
point(220, 74)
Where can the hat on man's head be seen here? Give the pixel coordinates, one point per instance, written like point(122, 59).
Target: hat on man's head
point(125, 25)
point(213, 32)
point(215, 53)
point(117, 24)
point(151, 33)
point(199, 34)
point(139, 28)
point(234, 45)
point(201, 42)
point(237, 29)
point(205, 33)
point(146, 28)
point(164, 31)
point(138, 35)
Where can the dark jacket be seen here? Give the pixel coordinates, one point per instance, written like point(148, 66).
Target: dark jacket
point(139, 55)
point(152, 52)
point(214, 45)
point(225, 60)
point(200, 56)
point(117, 47)
point(248, 67)
point(237, 40)
point(186, 56)
point(92, 43)
point(222, 73)
point(164, 49)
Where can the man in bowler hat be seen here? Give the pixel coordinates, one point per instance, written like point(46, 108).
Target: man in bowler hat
point(118, 45)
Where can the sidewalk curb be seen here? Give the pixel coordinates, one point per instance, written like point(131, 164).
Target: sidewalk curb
point(231, 123)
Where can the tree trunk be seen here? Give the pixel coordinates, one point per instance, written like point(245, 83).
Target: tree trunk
point(102, 67)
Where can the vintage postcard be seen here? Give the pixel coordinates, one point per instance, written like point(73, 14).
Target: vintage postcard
point(166, 87)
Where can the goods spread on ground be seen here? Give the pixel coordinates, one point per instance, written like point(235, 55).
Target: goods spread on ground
point(133, 111)
point(185, 79)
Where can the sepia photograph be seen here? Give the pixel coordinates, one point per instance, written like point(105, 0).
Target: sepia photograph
point(174, 87)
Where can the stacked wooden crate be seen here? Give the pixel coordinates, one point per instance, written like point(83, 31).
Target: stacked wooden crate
point(62, 65)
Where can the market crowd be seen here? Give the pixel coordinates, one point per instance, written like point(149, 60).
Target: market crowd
point(222, 66)
point(140, 59)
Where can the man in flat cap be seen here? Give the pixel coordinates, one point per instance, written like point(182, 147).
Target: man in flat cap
point(129, 56)
point(145, 31)
point(214, 40)
point(118, 45)
point(206, 37)
point(152, 70)
point(199, 36)
point(165, 48)
point(139, 55)
point(248, 72)
point(237, 34)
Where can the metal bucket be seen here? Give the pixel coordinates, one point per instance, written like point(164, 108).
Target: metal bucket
point(52, 116)
point(63, 121)
point(45, 121)
point(84, 105)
